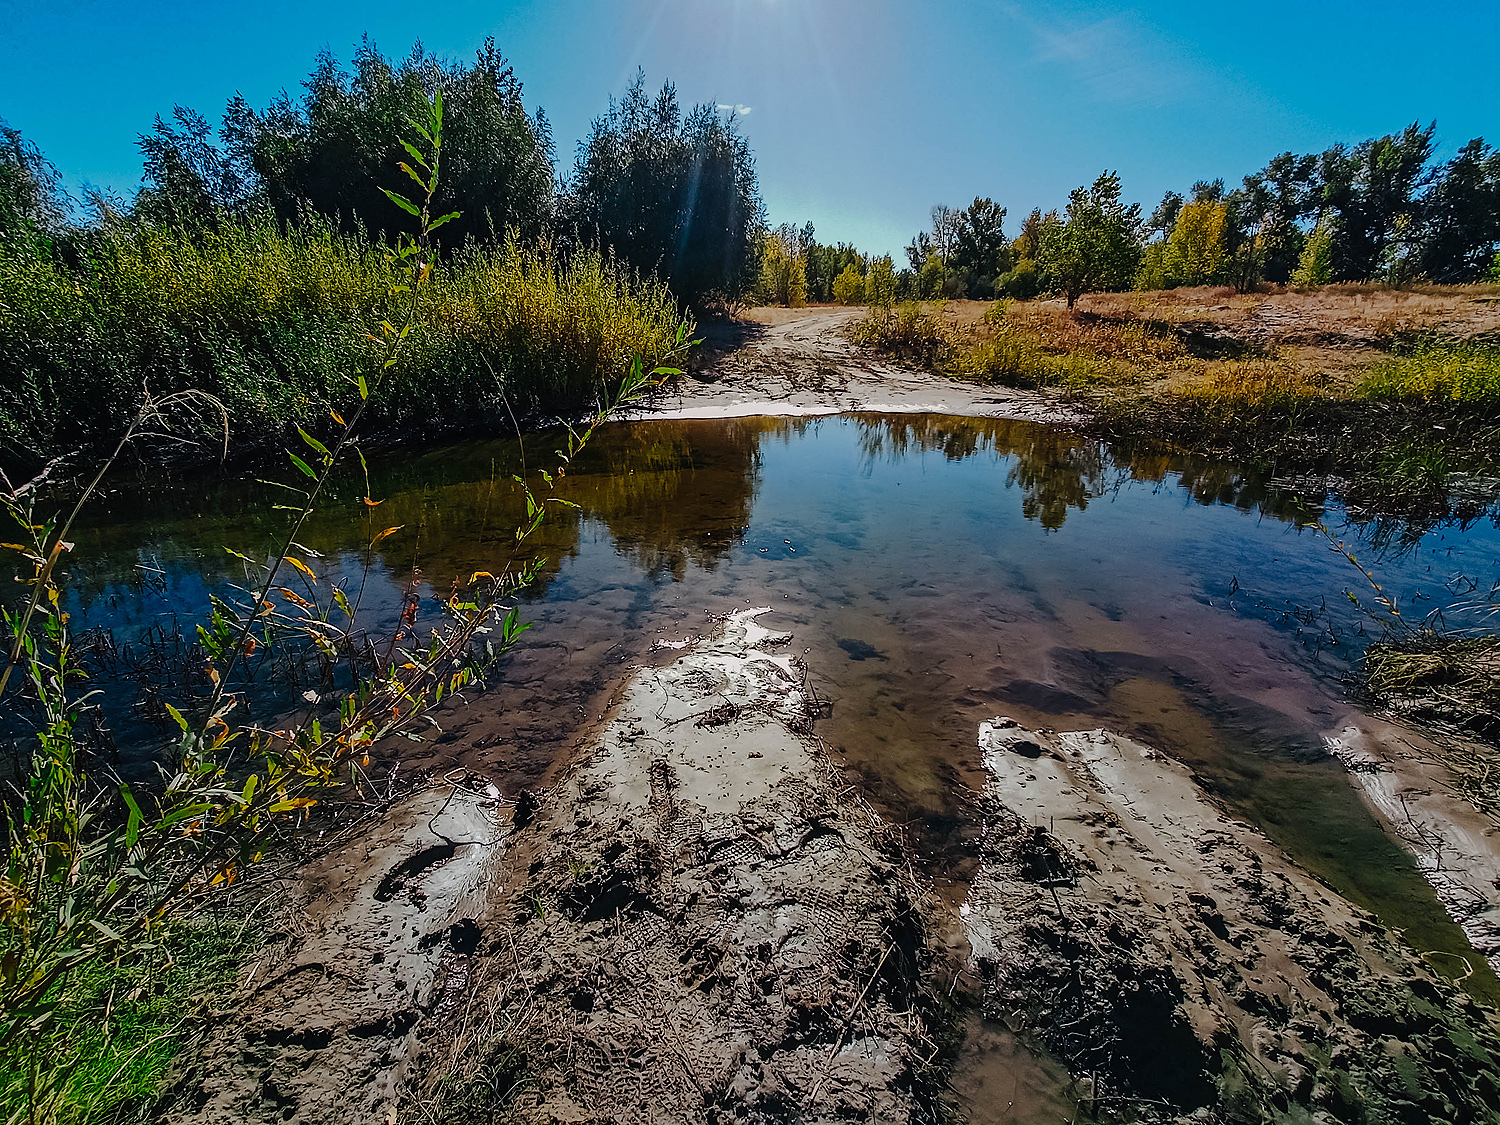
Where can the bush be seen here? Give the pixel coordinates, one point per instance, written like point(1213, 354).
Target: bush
point(910, 331)
point(1020, 282)
point(849, 287)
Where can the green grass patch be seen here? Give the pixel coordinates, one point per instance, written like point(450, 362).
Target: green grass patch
point(119, 1026)
point(1465, 372)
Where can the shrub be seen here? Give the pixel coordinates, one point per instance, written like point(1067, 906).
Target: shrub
point(1021, 282)
point(849, 287)
point(910, 331)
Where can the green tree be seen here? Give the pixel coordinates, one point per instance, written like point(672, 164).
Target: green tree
point(670, 193)
point(849, 287)
point(1197, 246)
point(1315, 267)
point(330, 151)
point(1096, 246)
point(1164, 218)
point(881, 284)
point(981, 252)
point(1461, 216)
point(1372, 192)
point(1030, 238)
point(782, 277)
point(32, 204)
point(192, 180)
point(825, 263)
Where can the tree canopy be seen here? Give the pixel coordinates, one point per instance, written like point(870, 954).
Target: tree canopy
point(668, 192)
point(1095, 245)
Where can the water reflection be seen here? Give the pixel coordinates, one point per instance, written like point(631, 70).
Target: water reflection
point(934, 571)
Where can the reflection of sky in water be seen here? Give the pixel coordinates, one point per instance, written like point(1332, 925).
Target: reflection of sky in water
point(936, 571)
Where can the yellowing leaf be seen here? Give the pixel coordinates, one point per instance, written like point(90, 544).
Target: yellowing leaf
point(386, 532)
point(292, 803)
point(303, 567)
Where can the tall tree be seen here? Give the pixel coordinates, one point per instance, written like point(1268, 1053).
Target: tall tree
point(32, 202)
point(981, 252)
point(669, 193)
point(1460, 217)
point(333, 150)
point(1164, 217)
point(1095, 246)
point(1372, 192)
point(191, 179)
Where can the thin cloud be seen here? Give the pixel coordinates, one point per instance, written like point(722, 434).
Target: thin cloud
point(739, 110)
point(1113, 59)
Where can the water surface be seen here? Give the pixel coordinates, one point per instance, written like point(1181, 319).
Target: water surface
point(935, 572)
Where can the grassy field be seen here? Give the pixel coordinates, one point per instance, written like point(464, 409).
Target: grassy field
point(1398, 388)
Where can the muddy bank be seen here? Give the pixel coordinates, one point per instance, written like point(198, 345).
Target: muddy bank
point(800, 363)
point(702, 924)
point(702, 921)
point(1184, 969)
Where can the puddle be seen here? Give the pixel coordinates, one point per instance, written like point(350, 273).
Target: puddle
point(937, 571)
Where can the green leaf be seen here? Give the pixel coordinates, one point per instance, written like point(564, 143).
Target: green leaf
point(407, 168)
point(133, 826)
point(451, 215)
point(313, 442)
point(177, 717)
point(187, 812)
point(402, 202)
point(303, 465)
point(416, 155)
point(364, 388)
point(105, 930)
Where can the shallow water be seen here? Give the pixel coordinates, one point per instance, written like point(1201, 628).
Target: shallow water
point(935, 572)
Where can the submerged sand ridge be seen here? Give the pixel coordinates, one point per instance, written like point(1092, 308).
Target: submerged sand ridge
point(1180, 963)
point(703, 921)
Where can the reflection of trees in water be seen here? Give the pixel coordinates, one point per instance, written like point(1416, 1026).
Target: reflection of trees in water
point(672, 492)
point(669, 492)
point(1055, 469)
point(1210, 482)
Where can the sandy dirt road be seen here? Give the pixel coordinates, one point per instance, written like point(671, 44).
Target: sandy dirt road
point(796, 362)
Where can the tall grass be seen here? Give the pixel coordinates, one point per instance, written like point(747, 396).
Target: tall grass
point(273, 323)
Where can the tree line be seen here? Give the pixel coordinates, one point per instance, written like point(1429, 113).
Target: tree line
point(1383, 210)
point(664, 190)
point(672, 193)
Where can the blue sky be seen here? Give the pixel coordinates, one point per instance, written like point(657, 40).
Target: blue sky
point(862, 113)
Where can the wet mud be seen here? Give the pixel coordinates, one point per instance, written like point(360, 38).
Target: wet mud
point(703, 920)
